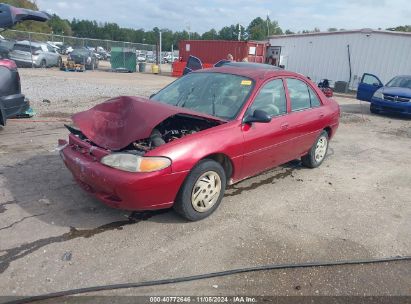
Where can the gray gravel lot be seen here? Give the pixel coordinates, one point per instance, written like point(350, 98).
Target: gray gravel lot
point(53, 236)
point(58, 94)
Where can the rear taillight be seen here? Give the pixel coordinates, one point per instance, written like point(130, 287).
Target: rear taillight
point(10, 64)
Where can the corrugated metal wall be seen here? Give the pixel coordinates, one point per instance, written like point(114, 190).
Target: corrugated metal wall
point(326, 56)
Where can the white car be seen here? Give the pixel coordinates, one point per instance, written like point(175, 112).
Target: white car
point(141, 58)
point(41, 55)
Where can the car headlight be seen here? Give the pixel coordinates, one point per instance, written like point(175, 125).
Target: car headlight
point(134, 163)
point(378, 94)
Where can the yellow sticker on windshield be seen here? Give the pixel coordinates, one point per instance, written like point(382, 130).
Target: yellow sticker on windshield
point(246, 82)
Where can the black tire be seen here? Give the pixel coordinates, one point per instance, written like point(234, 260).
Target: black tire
point(309, 160)
point(43, 64)
point(373, 110)
point(183, 204)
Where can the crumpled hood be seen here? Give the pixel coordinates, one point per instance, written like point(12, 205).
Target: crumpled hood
point(120, 121)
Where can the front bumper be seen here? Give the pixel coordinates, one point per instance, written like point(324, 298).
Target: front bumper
point(13, 105)
point(116, 188)
point(403, 108)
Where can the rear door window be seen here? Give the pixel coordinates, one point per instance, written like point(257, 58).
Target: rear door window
point(302, 96)
point(26, 48)
point(315, 101)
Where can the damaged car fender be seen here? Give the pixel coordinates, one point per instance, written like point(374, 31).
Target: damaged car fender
point(186, 152)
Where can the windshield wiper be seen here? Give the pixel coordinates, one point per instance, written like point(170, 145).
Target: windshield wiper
point(185, 98)
point(213, 101)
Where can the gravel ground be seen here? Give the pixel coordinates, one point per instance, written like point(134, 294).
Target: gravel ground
point(53, 236)
point(54, 93)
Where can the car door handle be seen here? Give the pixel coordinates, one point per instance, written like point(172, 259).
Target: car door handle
point(322, 115)
point(284, 126)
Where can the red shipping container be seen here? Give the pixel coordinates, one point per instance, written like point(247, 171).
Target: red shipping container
point(212, 51)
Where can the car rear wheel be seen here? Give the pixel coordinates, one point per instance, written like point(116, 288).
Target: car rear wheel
point(202, 191)
point(317, 153)
point(43, 64)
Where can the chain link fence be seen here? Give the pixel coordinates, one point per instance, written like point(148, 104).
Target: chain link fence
point(116, 55)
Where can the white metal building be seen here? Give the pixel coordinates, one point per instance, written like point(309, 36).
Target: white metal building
point(328, 55)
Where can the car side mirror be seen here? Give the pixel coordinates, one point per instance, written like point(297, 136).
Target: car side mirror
point(258, 116)
point(376, 84)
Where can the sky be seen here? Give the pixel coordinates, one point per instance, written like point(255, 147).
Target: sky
point(201, 16)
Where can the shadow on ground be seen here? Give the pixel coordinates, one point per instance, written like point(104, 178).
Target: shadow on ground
point(43, 187)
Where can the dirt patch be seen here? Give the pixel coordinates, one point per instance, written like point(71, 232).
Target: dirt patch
point(353, 118)
point(403, 132)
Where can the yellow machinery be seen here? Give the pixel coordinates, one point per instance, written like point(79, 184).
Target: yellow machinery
point(71, 66)
point(154, 68)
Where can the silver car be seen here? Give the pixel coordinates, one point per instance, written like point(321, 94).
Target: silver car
point(35, 54)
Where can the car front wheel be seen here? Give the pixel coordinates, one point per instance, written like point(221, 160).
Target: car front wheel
point(373, 109)
point(202, 191)
point(317, 153)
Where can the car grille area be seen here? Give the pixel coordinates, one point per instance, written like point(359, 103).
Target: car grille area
point(396, 98)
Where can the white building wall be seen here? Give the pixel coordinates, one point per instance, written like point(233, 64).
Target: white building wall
point(326, 56)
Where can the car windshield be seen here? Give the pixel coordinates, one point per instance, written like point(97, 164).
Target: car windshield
point(80, 52)
point(216, 94)
point(400, 82)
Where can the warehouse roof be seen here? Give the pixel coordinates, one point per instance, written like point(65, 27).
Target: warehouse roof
point(364, 31)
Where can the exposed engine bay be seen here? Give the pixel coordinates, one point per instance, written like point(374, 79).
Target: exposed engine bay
point(173, 128)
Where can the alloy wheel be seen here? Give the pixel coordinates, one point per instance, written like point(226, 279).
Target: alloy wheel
point(206, 191)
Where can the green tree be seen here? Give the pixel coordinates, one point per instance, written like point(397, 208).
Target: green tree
point(260, 29)
point(60, 26)
point(402, 28)
point(210, 35)
point(228, 33)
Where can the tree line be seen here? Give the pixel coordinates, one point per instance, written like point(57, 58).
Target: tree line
point(258, 29)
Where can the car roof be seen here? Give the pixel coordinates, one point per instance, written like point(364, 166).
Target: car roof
point(26, 42)
point(250, 70)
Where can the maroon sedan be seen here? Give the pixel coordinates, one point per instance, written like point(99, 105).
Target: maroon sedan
point(206, 130)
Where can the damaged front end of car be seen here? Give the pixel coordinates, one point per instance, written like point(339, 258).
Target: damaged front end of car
point(123, 134)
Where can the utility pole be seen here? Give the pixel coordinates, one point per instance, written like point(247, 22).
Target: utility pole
point(172, 52)
point(189, 31)
point(239, 32)
point(268, 26)
point(160, 48)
